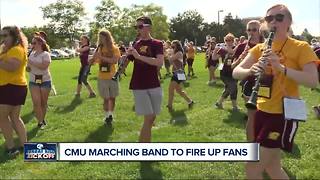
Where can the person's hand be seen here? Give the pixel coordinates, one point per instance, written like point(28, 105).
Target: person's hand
point(258, 67)
point(133, 51)
point(272, 58)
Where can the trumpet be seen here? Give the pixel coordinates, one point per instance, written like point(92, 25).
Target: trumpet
point(252, 102)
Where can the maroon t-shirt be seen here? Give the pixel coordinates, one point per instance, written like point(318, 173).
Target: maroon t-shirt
point(227, 59)
point(145, 76)
point(238, 51)
point(84, 57)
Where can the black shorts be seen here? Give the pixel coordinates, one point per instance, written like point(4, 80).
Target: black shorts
point(13, 95)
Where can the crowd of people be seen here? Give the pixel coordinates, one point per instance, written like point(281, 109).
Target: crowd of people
point(283, 66)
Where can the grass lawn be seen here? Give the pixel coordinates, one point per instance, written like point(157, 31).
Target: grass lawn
point(81, 120)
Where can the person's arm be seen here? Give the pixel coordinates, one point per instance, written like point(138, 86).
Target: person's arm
point(10, 65)
point(44, 64)
point(158, 61)
point(243, 70)
point(84, 49)
point(110, 60)
point(307, 77)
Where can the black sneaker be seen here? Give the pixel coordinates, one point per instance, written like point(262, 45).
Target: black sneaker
point(190, 105)
point(12, 152)
point(108, 120)
point(42, 125)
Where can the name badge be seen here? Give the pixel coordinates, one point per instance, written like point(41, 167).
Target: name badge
point(294, 109)
point(220, 67)
point(104, 69)
point(38, 79)
point(181, 76)
point(265, 89)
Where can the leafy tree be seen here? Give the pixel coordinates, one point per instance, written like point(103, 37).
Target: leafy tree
point(124, 19)
point(65, 17)
point(187, 25)
point(233, 25)
point(306, 35)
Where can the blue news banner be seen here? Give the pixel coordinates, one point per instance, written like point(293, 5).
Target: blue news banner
point(141, 152)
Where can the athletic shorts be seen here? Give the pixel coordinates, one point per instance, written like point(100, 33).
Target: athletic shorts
point(148, 101)
point(13, 95)
point(108, 88)
point(272, 131)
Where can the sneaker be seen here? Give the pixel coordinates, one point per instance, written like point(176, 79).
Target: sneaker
point(12, 152)
point(42, 125)
point(218, 105)
point(190, 105)
point(92, 95)
point(108, 120)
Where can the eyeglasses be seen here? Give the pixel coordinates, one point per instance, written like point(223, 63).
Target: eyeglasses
point(277, 17)
point(140, 26)
point(252, 30)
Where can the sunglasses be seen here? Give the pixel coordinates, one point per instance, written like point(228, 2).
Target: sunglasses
point(141, 26)
point(277, 17)
point(173, 47)
point(252, 30)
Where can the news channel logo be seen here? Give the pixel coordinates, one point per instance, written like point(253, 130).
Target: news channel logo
point(40, 152)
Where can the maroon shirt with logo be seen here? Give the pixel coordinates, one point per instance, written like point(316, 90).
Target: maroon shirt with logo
point(227, 60)
point(238, 51)
point(144, 76)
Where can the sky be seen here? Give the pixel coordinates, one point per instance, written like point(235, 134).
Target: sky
point(306, 13)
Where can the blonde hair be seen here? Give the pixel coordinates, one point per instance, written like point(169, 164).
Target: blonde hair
point(282, 7)
point(229, 36)
point(256, 22)
point(109, 39)
point(18, 37)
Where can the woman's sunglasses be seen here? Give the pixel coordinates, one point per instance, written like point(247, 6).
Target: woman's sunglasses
point(277, 17)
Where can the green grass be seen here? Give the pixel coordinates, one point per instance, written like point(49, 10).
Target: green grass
point(72, 120)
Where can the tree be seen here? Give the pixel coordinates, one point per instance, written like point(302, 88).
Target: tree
point(187, 25)
point(234, 26)
point(306, 35)
point(124, 19)
point(53, 40)
point(65, 17)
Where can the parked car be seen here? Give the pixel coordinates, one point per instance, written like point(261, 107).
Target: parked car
point(72, 53)
point(60, 53)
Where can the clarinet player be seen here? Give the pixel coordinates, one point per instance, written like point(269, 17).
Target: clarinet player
point(288, 64)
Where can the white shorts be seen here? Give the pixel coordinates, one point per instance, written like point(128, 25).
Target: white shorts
point(148, 101)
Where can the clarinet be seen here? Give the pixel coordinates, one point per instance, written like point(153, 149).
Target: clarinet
point(120, 67)
point(252, 102)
